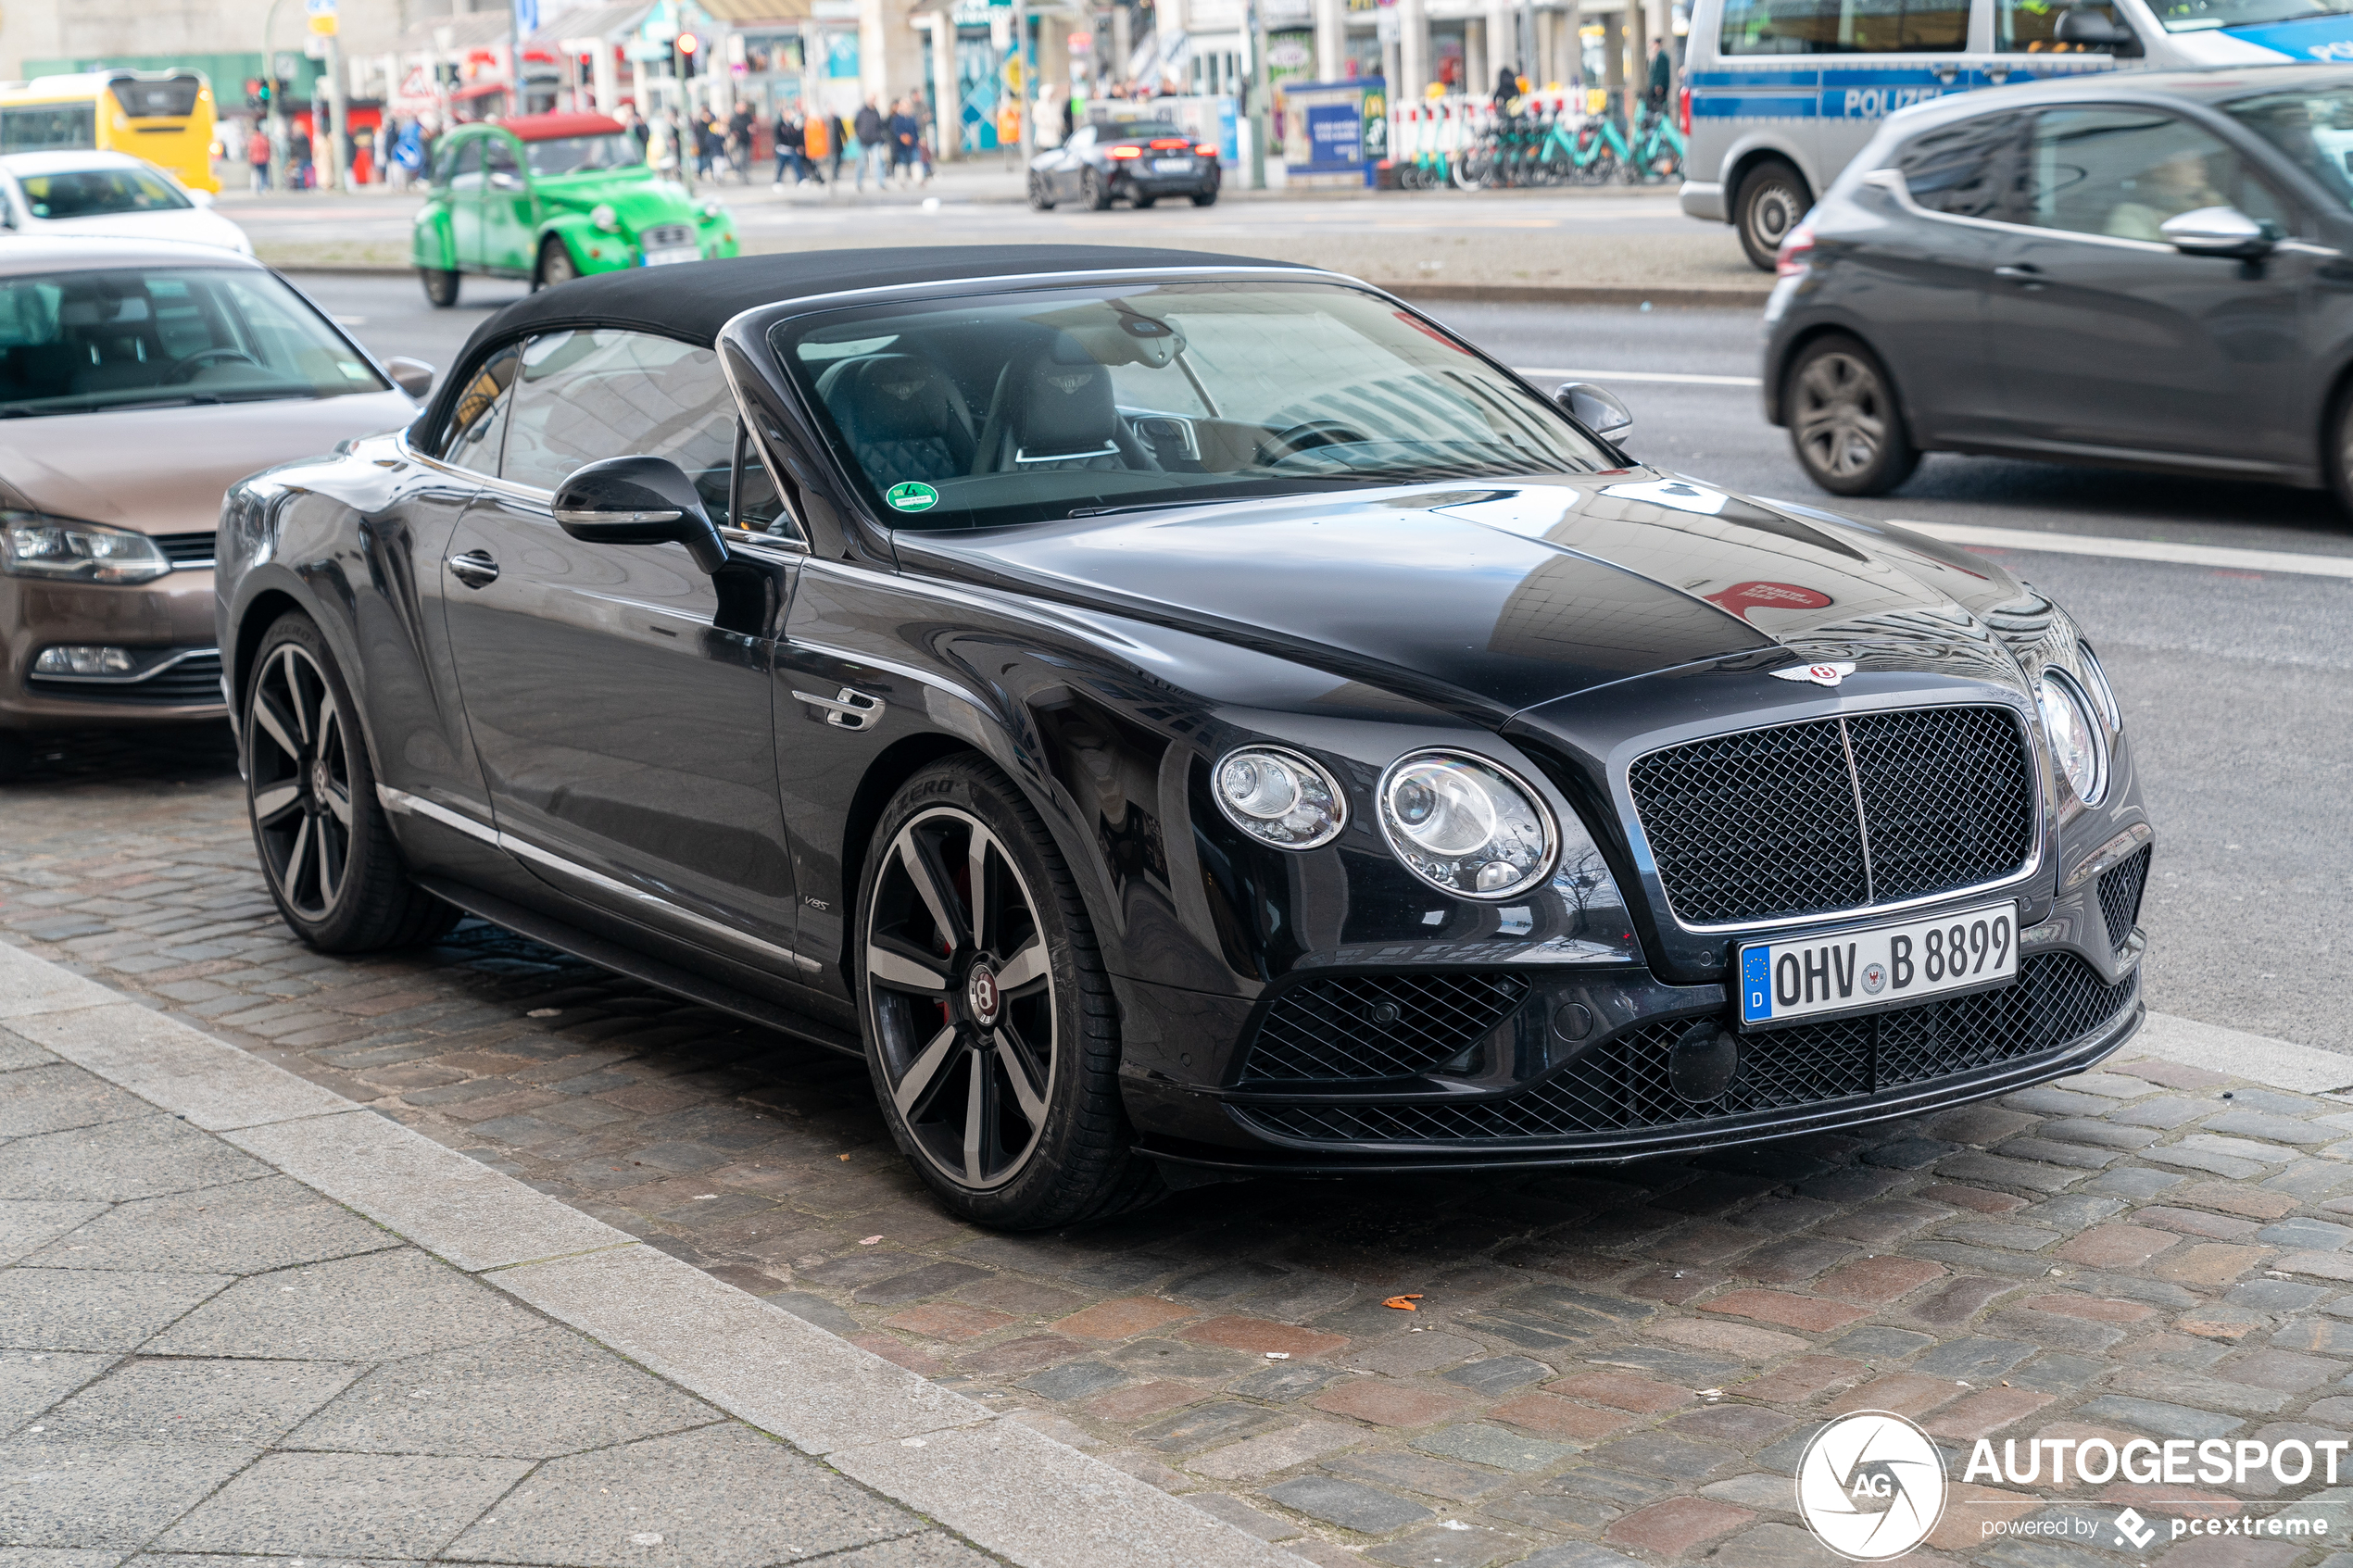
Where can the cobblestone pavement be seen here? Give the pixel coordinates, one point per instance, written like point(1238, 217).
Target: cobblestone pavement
point(161, 1393)
point(1599, 1366)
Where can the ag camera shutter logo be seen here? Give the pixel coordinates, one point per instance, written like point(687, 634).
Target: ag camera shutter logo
point(1871, 1485)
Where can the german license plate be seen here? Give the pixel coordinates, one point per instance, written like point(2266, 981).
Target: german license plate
point(1880, 966)
point(1172, 165)
point(672, 255)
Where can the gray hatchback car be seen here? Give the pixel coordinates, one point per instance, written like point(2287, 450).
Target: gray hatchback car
point(2152, 271)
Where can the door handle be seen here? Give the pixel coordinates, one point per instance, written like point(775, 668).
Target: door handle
point(2026, 275)
point(1946, 75)
point(853, 710)
point(474, 569)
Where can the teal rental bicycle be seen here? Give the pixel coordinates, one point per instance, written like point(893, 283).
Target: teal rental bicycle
point(1657, 151)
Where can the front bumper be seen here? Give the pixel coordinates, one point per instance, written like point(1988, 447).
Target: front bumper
point(1703, 199)
point(169, 622)
point(1524, 1093)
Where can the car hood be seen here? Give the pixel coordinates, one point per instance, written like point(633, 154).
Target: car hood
point(189, 225)
point(639, 201)
point(1490, 599)
point(163, 470)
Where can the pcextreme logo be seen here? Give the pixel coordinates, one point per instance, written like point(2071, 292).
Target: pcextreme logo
point(1871, 1485)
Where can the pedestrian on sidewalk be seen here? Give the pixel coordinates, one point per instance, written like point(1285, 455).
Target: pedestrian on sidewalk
point(634, 123)
point(739, 126)
point(790, 133)
point(1662, 79)
point(818, 145)
point(874, 144)
point(906, 135)
point(258, 155)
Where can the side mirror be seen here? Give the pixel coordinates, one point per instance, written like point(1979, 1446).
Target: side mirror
point(1596, 409)
point(2093, 28)
point(640, 501)
point(2219, 231)
point(202, 198)
point(411, 376)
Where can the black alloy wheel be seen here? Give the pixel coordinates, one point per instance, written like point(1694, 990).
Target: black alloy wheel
point(1771, 201)
point(441, 288)
point(1038, 197)
point(990, 1028)
point(326, 850)
point(2336, 456)
point(1094, 190)
point(1843, 420)
point(1143, 204)
point(556, 265)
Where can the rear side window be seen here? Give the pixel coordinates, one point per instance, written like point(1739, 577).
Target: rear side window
point(1964, 169)
point(1843, 27)
point(478, 424)
point(2121, 173)
point(590, 394)
point(48, 127)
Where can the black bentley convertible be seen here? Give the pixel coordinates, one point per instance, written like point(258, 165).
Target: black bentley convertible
point(1177, 716)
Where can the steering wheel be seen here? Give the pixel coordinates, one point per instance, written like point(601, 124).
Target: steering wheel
point(186, 369)
point(1306, 436)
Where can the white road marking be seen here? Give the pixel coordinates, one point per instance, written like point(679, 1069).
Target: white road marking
point(2134, 550)
point(1679, 377)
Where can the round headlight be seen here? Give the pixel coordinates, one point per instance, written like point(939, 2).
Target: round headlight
point(1279, 798)
point(2102, 693)
point(1465, 826)
point(605, 218)
point(712, 211)
point(2075, 745)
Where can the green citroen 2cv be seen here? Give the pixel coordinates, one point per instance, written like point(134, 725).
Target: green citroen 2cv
point(550, 198)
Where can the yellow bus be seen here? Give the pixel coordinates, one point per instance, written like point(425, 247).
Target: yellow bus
point(162, 116)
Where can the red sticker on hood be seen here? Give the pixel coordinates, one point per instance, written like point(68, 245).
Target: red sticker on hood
point(1741, 598)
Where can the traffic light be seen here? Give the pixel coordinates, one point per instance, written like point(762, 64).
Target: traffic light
point(687, 44)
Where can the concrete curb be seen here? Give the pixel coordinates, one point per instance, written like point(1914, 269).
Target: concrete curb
point(1485, 294)
point(1006, 1487)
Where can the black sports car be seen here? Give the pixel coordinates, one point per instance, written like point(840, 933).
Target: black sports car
point(1100, 164)
point(1177, 716)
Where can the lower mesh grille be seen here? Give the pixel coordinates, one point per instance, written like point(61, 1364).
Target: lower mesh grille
point(2120, 888)
point(2057, 999)
point(1379, 1027)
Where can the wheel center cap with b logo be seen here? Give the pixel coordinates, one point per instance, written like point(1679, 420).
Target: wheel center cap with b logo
point(981, 996)
point(319, 778)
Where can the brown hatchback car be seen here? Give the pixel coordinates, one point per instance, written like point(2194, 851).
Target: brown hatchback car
point(138, 380)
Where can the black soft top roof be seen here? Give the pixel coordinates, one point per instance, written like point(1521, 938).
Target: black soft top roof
point(691, 303)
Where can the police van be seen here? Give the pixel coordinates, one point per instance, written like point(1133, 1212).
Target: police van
point(1778, 95)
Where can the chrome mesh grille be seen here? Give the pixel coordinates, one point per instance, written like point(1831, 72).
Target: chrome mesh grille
point(1622, 1084)
point(2120, 888)
point(1379, 1027)
point(1774, 823)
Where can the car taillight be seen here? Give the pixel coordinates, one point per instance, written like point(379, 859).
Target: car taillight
point(1683, 112)
point(1126, 152)
point(1205, 150)
point(1169, 144)
point(1797, 253)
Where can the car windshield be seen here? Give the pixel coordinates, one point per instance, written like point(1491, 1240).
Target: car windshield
point(581, 155)
point(2313, 127)
point(2199, 16)
point(976, 413)
point(74, 343)
point(98, 192)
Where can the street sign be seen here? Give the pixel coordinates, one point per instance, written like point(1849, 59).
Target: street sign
point(1082, 43)
point(322, 17)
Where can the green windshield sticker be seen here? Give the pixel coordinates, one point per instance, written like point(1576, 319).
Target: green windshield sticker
point(912, 497)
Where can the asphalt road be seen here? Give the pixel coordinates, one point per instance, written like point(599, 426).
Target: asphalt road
point(2238, 685)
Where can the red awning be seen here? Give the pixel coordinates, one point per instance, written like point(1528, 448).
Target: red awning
point(547, 127)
